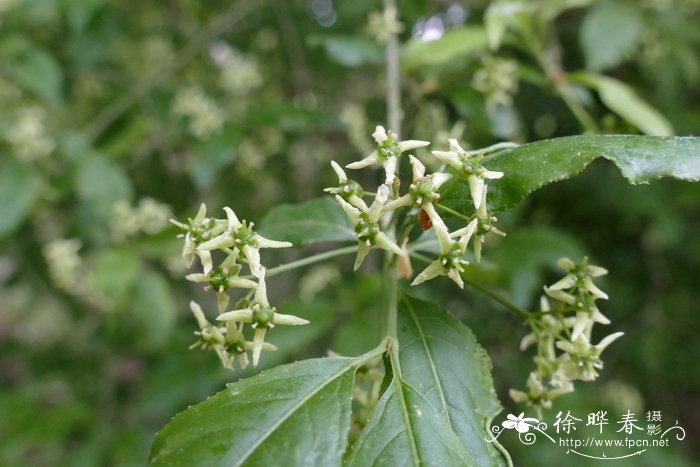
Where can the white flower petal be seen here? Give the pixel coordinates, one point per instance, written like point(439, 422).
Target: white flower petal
point(454, 145)
point(244, 315)
point(566, 282)
point(527, 341)
point(199, 315)
point(375, 210)
point(456, 277)
point(383, 241)
point(596, 271)
point(476, 188)
point(433, 270)
point(593, 289)
point(351, 211)
point(261, 290)
point(258, 340)
point(358, 202)
point(410, 144)
point(233, 222)
point(197, 277)
point(390, 169)
point(267, 243)
point(362, 252)
point(607, 340)
point(188, 249)
point(583, 321)
point(252, 255)
point(418, 168)
point(222, 302)
point(289, 320)
point(221, 241)
point(366, 162)
point(437, 179)
point(205, 258)
point(201, 214)
point(492, 175)
point(566, 264)
point(379, 134)
point(450, 158)
point(439, 227)
point(241, 283)
point(599, 317)
point(405, 200)
point(339, 172)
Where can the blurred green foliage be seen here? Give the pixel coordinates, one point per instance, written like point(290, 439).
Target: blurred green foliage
point(117, 115)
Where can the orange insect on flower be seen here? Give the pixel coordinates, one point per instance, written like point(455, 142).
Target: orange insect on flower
point(424, 220)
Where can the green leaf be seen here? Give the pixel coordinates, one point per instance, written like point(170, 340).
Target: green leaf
point(19, 189)
point(454, 46)
point(502, 16)
point(313, 221)
point(531, 166)
point(621, 99)
point(350, 51)
point(34, 68)
point(114, 274)
point(100, 183)
point(610, 32)
point(292, 415)
point(442, 360)
point(405, 430)
point(153, 309)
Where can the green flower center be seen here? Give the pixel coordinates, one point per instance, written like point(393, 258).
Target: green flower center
point(366, 230)
point(389, 148)
point(349, 188)
point(244, 236)
point(263, 315)
point(423, 190)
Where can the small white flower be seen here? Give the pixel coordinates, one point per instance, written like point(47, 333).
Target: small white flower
point(240, 235)
point(468, 165)
point(347, 189)
point(423, 190)
point(198, 230)
point(367, 228)
point(450, 263)
point(387, 152)
point(261, 316)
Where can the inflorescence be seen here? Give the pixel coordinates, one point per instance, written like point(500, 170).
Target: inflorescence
point(240, 246)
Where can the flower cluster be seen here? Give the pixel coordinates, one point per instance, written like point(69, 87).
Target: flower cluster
point(423, 195)
point(204, 115)
point(240, 246)
point(563, 335)
point(148, 217)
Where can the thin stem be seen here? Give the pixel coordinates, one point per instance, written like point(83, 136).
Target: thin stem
point(498, 298)
point(393, 99)
point(453, 212)
point(391, 295)
point(310, 260)
point(562, 88)
point(492, 295)
point(583, 117)
point(393, 83)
